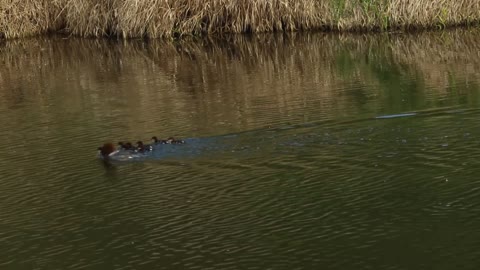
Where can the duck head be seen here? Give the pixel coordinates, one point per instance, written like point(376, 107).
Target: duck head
point(140, 146)
point(121, 145)
point(106, 149)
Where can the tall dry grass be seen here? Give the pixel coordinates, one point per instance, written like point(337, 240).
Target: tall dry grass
point(167, 18)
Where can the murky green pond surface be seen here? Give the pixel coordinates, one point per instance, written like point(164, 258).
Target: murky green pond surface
point(318, 152)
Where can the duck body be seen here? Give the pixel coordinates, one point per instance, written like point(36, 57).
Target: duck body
point(172, 140)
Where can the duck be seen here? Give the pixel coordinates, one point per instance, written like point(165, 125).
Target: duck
point(143, 147)
point(106, 150)
point(172, 140)
point(157, 141)
point(126, 146)
point(169, 140)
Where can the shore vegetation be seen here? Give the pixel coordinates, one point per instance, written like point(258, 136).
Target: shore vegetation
point(173, 18)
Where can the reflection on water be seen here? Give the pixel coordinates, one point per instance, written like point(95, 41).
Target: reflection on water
point(306, 151)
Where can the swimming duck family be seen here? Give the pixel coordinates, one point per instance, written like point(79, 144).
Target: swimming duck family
point(108, 149)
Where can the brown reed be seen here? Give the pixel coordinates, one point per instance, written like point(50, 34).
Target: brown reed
point(170, 18)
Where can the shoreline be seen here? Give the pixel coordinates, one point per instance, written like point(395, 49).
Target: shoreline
point(361, 31)
point(220, 36)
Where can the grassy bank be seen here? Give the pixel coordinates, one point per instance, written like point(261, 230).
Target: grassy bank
point(167, 18)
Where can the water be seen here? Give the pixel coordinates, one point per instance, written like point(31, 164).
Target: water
point(305, 151)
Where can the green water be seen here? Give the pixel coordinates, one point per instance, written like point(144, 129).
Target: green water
point(312, 151)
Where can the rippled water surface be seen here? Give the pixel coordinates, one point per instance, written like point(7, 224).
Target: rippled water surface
point(303, 152)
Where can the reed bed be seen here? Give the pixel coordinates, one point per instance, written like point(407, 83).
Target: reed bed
point(170, 18)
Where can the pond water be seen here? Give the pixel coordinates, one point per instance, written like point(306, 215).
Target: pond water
point(304, 151)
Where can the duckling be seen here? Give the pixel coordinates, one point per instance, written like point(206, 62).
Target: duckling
point(157, 141)
point(172, 140)
point(126, 146)
point(121, 145)
point(143, 147)
point(169, 140)
point(106, 150)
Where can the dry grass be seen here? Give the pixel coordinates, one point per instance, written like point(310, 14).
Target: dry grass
point(169, 18)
